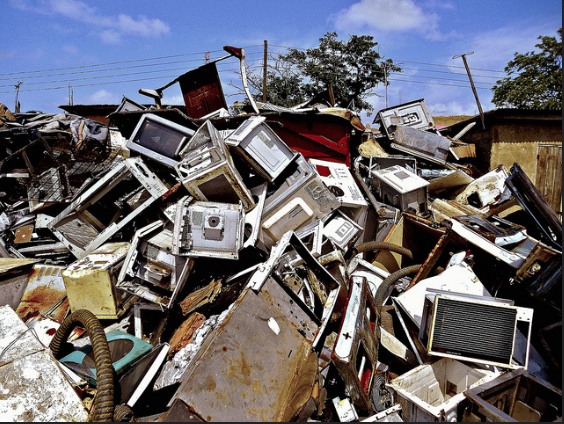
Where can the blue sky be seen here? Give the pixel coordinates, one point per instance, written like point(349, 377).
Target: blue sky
point(54, 43)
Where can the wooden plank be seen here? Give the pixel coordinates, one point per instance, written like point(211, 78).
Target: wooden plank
point(557, 192)
point(540, 182)
point(549, 175)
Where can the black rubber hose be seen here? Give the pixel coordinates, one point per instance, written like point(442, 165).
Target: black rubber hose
point(389, 282)
point(104, 410)
point(378, 245)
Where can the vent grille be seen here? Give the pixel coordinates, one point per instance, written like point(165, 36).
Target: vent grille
point(474, 330)
point(197, 218)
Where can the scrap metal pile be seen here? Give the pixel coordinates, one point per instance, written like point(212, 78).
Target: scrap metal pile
point(284, 265)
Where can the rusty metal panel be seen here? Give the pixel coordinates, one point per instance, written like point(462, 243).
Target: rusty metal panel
point(90, 281)
point(202, 91)
point(258, 365)
point(421, 141)
point(32, 385)
point(44, 289)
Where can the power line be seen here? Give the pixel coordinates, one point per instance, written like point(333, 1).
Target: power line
point(408, 61)
point(66, 87)
point(108, 69)
point(109, 76)
point(117, 63)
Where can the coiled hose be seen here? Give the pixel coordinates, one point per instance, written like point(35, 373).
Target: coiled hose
point(389, 282)
point(378, 245)
point(104, 410)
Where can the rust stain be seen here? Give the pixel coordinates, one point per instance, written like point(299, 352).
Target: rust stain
point(245, 368)
point(210, 387)
point(43, 295)
point(224, 348)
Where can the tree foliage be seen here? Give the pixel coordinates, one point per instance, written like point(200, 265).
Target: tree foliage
point(352, 68)
point(534, 80)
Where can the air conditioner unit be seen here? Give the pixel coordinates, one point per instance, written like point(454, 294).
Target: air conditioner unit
point(207, 170)
point(477, 330)
point(298, 201)
point(209, 230)
point(412, 114)
point(338, 178)
point(401, 188)
point(255, 141)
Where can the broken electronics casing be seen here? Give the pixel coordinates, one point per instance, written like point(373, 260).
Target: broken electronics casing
point(426, 145)
point(356, 347)
point(208, 229)
point(299, 200)
point(341, 230)
point(401, 188)
point(255, 141)
point(338, 178)
point(207, 170)
point(82, 231)
point(91, 282)
point(413, 114)
point(515, 396)
point(433, 392)
point(151, 270)
point(475, 329)
point(159, 139)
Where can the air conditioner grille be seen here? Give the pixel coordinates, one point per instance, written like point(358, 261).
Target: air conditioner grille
point(474, 330)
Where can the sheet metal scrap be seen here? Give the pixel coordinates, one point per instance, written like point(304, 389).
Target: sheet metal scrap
point(232, 378)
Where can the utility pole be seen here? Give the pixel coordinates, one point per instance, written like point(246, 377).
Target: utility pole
point(386, 81)
point(264, 71)
point(207, 58)
point(17, 105)
point(463, 56)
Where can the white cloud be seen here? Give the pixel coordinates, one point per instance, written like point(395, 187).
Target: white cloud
point(110, 29)
point(389, 15)
point(493, 49)
point(104, 97)
point(70, 49)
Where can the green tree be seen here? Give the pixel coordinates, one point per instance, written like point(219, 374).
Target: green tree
point(534, 80)
point(352, 68)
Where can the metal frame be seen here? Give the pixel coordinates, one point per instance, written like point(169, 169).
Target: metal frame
point(128, 277)
point(77, 214)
